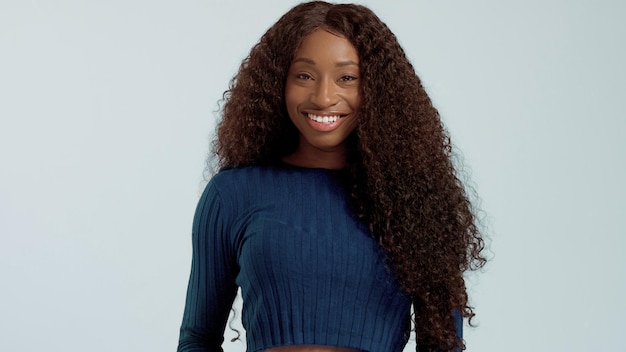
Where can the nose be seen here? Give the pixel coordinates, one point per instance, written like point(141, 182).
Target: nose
point(325, 93)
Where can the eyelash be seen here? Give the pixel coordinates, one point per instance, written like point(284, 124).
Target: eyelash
point(346, 78)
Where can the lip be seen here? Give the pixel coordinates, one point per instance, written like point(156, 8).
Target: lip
point(321, 126)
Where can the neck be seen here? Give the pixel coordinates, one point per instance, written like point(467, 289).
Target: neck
point(323, 160)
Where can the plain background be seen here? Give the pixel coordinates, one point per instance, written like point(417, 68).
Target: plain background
point(107, 108)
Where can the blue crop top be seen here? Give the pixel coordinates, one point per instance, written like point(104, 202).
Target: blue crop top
point(309, 272)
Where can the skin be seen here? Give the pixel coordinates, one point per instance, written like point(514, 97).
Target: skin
point(323, 82)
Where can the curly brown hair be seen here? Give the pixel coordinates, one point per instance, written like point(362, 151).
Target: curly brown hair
point(401, 175)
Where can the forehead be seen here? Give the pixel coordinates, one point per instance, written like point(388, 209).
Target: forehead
point(325, 46)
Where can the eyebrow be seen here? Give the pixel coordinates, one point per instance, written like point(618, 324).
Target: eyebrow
point(339, 64)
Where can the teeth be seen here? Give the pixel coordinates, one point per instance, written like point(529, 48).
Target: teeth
point(323, 119)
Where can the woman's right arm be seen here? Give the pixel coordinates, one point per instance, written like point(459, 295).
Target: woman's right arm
point(212, 287)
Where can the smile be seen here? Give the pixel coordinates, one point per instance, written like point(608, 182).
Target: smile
point(323, 119)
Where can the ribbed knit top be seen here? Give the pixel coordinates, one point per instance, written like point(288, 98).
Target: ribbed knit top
point(309, 272)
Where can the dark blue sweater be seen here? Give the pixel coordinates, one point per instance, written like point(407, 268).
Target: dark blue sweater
point(309, 272)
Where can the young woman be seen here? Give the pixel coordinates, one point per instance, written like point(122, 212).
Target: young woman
point(337, 206)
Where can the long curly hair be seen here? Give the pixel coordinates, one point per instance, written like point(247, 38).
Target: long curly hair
point(400, 172)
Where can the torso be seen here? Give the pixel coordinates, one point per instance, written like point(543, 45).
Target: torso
point(310, 273)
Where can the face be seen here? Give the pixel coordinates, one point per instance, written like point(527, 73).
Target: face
point(322, 94)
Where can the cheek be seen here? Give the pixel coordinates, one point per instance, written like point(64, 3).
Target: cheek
point(291, 100)
point(355, 100)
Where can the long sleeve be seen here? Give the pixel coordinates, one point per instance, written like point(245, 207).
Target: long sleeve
point(458, 326)
point(212, 287)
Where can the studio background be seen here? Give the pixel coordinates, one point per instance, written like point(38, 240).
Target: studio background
point(107, 108)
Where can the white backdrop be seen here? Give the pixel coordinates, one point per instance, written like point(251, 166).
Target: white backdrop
point(106, 108)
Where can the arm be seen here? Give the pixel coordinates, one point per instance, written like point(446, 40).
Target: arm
point(458, 326)
point(212, 287)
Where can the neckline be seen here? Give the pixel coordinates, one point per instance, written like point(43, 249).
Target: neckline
point(285, 165)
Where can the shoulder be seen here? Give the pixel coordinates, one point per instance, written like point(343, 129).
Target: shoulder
point(239, 180)
point(242, 185)
point(227, 195)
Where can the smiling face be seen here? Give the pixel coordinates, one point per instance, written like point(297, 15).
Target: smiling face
point(322, 98)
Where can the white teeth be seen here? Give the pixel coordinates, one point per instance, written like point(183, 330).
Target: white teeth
point(323, 119)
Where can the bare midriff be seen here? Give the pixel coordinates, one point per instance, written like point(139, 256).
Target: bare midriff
point(311, 349)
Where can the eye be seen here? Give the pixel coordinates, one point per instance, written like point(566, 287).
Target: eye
point(347, 78)
point(304, 76)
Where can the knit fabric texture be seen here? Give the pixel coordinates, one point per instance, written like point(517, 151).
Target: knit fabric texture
point(309, 271)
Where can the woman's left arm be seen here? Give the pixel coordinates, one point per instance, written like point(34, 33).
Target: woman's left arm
point(458, 326)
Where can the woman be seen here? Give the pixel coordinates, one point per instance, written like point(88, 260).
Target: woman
point(337, 206)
